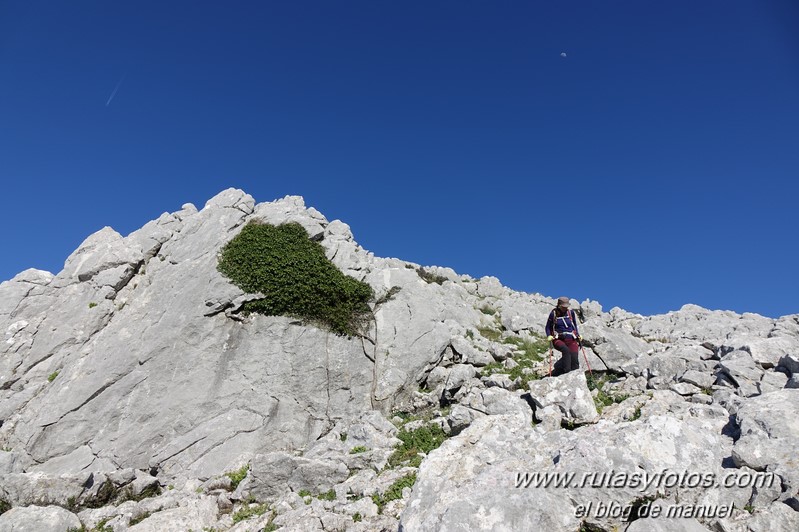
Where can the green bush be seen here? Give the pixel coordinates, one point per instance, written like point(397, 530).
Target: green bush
point(422, 440)
point(295, 277)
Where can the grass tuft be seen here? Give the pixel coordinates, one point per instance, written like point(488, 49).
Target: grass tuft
point(237, 476)
point(421, 440)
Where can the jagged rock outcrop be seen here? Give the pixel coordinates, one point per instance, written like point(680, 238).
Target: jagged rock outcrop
point(133, 392)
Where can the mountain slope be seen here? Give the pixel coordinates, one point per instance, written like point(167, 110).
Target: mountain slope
point(133, 368)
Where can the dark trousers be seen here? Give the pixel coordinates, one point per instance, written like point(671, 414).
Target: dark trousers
point(570, 359)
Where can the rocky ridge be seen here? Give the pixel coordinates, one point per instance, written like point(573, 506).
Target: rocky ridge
point(134, 395)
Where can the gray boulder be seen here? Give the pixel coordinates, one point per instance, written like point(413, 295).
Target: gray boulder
point(569, 393)
point(273, 474)
point(38, 519)
point(485, 478)
point(741, 368)
point(615, 347)
point(769, 428)
point(698, 378)
point(195, 514)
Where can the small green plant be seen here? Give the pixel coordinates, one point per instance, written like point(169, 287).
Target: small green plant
point(707, 390)
point(329, 495)
point(102, 526)
point(295, 276)
point(430, 277)
point(343, 436)
point(749, 508)
point(394, 491)
point(405, 417)
point(636, 413)
point(602, 398)
point(72, 504)
point(4, 506)
point(92, 304)
point(388, 296)
point(487, 309)
point(52, 376)
point(237, 476)
point(105, 495)
point(358, 449)
point(357, 517)
point(490, 333)
point(469, 334)
point(422, 440)
point(140, 518)
point(249, 512)
point(532, 351)
point(304, 493)
point(270, 525)
point(128, 494)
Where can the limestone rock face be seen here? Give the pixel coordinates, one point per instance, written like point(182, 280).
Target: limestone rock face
point(770, 436)
point(485, 478)
point(133, 392)
point(38, 519)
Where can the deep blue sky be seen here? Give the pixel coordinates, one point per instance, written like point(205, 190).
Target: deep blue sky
point(655, 165)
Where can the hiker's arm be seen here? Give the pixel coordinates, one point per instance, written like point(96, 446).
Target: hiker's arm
point(548, 327)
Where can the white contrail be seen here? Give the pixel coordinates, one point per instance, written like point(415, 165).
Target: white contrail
point(115, 90)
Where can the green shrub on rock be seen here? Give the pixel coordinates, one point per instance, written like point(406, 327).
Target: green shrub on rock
point(295, 276)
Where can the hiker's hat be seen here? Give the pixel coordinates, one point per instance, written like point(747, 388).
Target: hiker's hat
point(563, 301)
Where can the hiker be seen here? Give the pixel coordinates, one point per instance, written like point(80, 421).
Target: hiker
point(562, 330)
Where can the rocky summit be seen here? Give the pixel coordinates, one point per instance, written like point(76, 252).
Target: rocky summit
point(138, 392)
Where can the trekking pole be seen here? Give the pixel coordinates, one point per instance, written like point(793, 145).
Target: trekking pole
point(586, 359)
point(550, 359)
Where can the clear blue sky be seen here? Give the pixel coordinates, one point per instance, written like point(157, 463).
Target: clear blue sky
point(654, 165)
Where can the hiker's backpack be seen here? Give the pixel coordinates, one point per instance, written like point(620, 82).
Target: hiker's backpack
point(564, 325)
